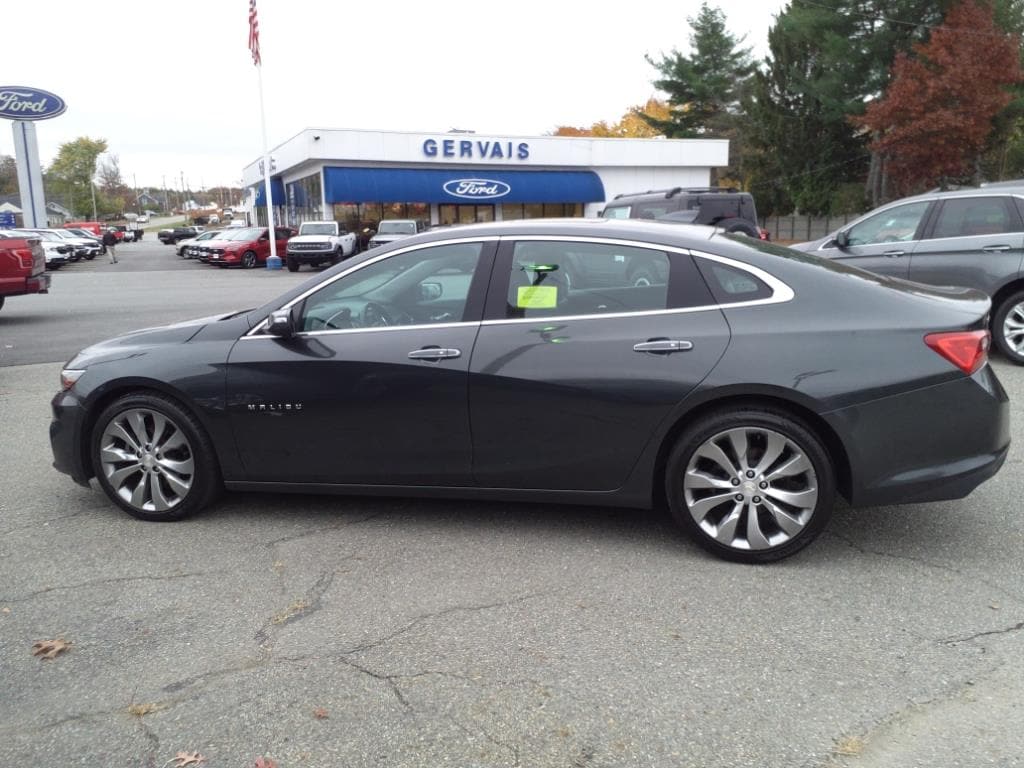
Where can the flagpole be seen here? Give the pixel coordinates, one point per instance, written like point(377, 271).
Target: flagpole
point(274, 262)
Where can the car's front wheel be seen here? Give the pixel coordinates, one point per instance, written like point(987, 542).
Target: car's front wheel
point(153, 458)
point(1008, 327)
point(293, 265)
point(750, 485)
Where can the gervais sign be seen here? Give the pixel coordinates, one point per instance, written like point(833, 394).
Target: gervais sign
point(477, 189)
point(19, 103)
point(477, 149)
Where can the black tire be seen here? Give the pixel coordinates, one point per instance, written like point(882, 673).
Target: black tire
point(339, 254)
point(90, 257)
point(739, 227)
point(2, 299)
point(204, 481)
point(293, 265)
point(732, 514)
point(1000, 331)
point(248, 260)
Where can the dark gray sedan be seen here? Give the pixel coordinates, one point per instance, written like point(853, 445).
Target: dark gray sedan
point(967, 237)
point(744, 383)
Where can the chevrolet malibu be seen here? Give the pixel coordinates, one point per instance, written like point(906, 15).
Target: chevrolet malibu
point(744, 384)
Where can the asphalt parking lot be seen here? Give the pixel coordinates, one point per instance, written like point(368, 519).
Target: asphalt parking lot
point(327, 631)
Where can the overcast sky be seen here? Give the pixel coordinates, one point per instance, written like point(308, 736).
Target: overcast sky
point(172, 88)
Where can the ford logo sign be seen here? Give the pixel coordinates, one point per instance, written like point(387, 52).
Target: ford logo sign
point(477, 189)
point(17, 103)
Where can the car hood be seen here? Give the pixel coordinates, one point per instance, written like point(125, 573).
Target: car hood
point(137, 342)
point(311, 238)
point(389, 238)
point(812, 245)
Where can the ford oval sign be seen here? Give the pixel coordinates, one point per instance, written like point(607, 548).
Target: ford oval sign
point(17, 103)
point(477, 189)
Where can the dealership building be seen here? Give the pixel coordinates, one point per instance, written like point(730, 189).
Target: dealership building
point(360, 177)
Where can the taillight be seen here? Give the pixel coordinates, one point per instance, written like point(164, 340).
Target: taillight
point(24, 257)
point(967, 350)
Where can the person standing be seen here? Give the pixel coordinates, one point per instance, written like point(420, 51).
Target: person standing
point(110, 241)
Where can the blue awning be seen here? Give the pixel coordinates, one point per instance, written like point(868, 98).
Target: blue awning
point(480, 185)
point(276, 192)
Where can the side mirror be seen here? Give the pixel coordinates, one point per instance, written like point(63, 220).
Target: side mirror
point(842, 240)
point(431, 291)
point(280, 324)
point(264, 237)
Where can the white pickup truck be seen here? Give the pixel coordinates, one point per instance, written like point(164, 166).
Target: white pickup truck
point(319, 242)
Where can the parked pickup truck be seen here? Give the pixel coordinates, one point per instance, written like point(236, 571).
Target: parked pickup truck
point(319, 242)
point(172, 236)
point(22, 267)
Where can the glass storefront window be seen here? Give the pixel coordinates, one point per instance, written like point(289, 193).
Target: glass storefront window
point(358, 216)
point(303, 199)
point(516, 211)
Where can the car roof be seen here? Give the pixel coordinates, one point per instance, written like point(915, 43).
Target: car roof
point(675, 192)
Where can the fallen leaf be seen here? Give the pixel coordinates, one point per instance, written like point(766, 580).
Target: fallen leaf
point(994, 606)
point(48, 649)
point(264, 762)
point(320, 713)
point(5, 609)
point(183, 759)
point(141, 710)
point(849, 746)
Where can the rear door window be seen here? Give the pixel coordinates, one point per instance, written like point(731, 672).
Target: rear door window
point(576, 278)
point(975, 216)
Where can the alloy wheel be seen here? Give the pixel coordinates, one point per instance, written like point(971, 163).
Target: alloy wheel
point(750, 488)
point(1013, 328)
point(147, 460)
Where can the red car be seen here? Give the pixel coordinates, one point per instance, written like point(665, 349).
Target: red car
point(245, 247)
point(22, 267)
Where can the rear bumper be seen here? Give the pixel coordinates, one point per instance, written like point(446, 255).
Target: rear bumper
point(933, 444)
point(19, 286)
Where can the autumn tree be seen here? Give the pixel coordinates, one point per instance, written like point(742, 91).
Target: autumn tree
point(8, 175)
point(934, 120)
point(631, 125)
point(72, 171)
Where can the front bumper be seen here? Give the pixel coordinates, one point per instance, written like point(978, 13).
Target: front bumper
point(933, 444)
point(305, 256)
point(66, 437)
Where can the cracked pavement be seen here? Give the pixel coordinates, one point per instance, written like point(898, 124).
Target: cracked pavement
point(436, 633)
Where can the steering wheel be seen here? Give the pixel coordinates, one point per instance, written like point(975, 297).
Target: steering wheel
point(344, 313)
point(376, 315)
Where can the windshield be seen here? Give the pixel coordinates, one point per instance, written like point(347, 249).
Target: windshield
point(397, 228)
point(316, 229)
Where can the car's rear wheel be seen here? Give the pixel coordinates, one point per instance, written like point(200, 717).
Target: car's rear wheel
point(153, 458)
point(90, 256)
point(750, 485)
point(1008, 327)
point(293, 265)
point(248, 260)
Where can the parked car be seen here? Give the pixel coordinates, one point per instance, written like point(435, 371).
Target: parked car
point(748, 385)
point(22, 266)
point(172, 236)
point(87, 248)
point(320, 242)
point(245, 248)
point(186, 248)
point(390, 230)
point(967, 237)
point(724, 207)
point(56, 250)
point(97, 228)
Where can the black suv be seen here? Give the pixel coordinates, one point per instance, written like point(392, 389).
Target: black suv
point(723, 207)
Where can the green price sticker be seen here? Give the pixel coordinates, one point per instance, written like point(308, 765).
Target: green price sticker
point(537, 297)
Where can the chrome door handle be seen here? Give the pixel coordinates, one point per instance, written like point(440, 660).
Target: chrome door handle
point(893, 254)
point(995, 248)
point(663, 345)
point(434, 353)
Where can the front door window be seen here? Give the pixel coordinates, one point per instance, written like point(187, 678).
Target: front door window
point(893, 225)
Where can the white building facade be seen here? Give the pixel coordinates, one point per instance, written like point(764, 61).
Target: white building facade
point(360, 177)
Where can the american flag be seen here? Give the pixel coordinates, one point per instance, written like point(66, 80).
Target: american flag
point(254, 33)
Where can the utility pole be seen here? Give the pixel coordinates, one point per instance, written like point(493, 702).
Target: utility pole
point(163, 184)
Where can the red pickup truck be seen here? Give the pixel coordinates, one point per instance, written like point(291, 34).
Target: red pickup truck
point(22, 267)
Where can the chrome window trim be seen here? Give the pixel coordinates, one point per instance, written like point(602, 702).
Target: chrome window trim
point(781, 292)
point(254, 333)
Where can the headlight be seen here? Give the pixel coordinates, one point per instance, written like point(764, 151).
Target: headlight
point(68, 377)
